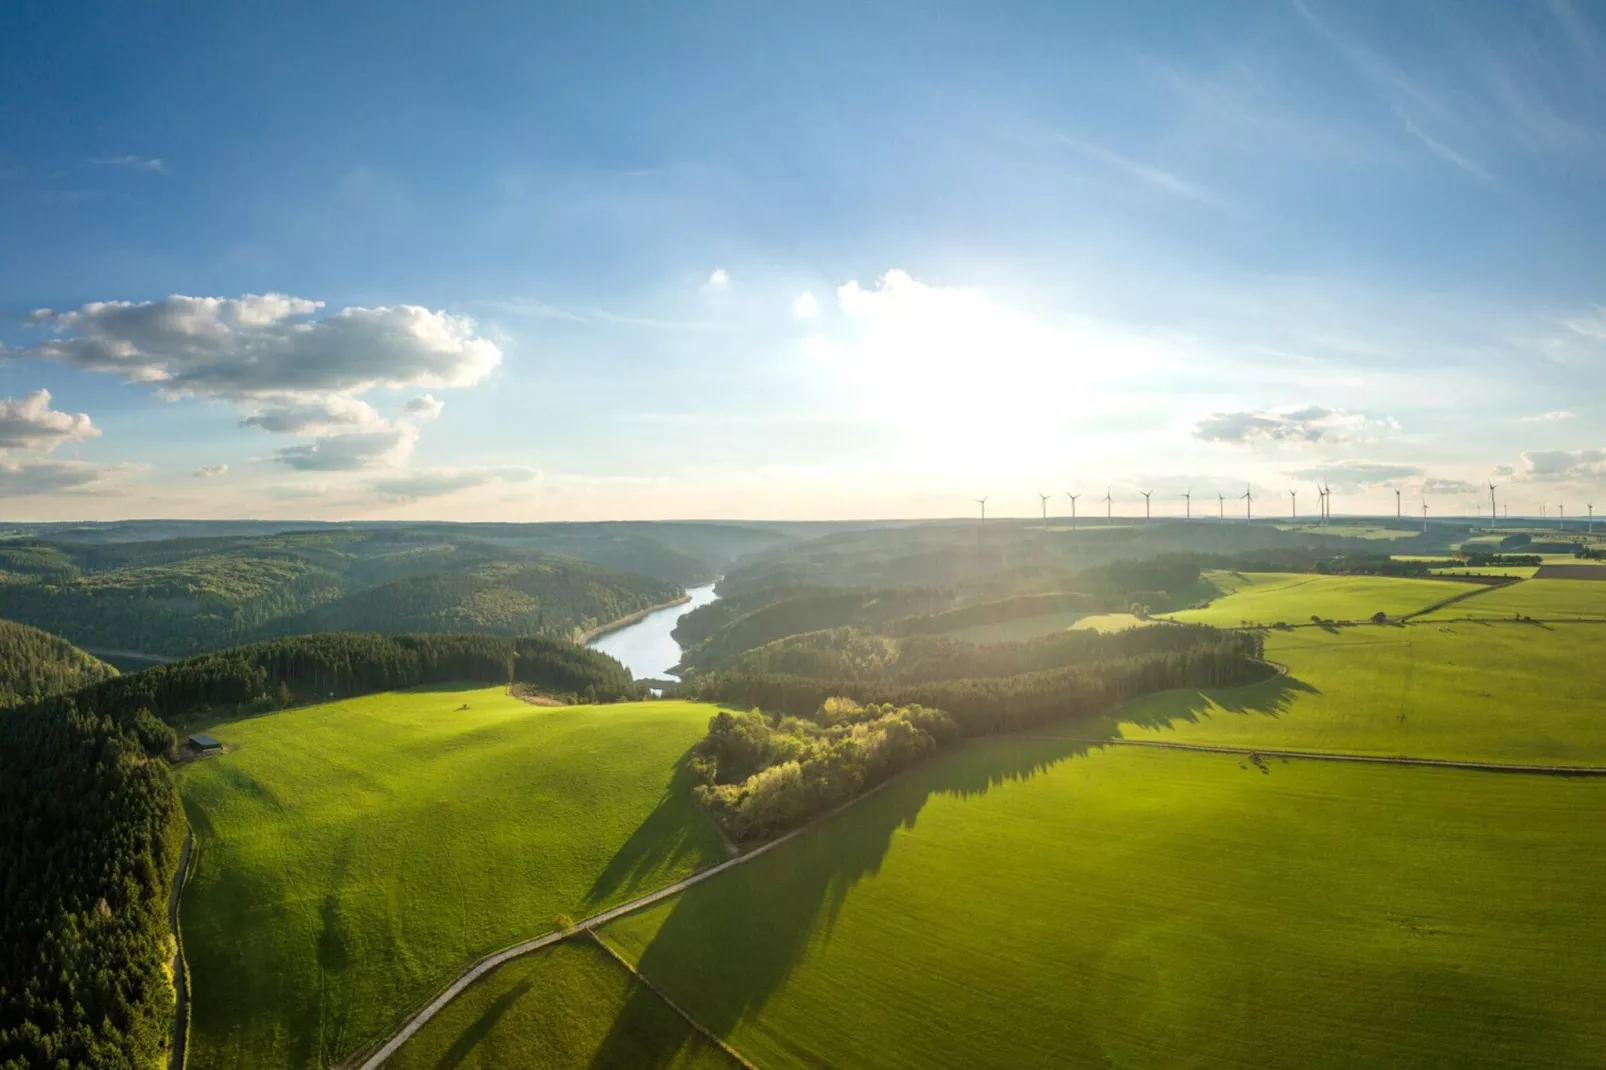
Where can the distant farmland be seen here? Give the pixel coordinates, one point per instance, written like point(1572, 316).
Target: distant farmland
point(1265, 598)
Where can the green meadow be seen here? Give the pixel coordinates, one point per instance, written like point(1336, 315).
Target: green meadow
point(1016, 903)
point(1504, 692)
point(567, 1005)
point(1293, 598)
point(1533, 598)
point(355, 856)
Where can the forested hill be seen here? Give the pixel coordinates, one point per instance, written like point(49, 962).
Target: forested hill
point(184, 596)
point(34, 664)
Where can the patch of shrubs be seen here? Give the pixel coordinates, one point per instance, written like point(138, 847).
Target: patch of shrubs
point(759, 775)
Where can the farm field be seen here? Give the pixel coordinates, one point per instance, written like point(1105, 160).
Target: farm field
point(559, 1007)
point(1516, 572)
point(1352, 531)
point(1504, 692)
point(1532, 598)
point(1015, 904)
point(356, 855)
point(1110, 622)
point(1269, 597)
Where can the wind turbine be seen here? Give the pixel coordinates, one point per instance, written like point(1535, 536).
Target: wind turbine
point(1187, 496)
point(1321, 506)
point(1107, 501)
point(1493, 513)
point(1145, 494)
point(1221, 504)
point(1293, 504)
point(1561, 515)
point(1424, 516)
point(1327, 489)
point(983, 503)
point(1249, 504)
point(1591, 506)
point(1073, 498)
point(1397, 513)
point(1045, 498)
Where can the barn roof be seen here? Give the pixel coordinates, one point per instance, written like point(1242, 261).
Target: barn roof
point(204, 741)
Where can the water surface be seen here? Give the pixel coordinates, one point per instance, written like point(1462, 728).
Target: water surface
point(645, 647)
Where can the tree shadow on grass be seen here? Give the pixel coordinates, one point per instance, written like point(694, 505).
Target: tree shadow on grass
point(677, 829)
point(729, 944)
point(471, 1037)
point(1269, 698)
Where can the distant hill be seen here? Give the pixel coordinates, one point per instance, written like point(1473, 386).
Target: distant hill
point(34, 664)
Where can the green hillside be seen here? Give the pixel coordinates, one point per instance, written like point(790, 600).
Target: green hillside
point(1265, 598)
point(34, 664)
point(356, 855)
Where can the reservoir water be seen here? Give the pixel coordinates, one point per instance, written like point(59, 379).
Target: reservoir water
point(646, 647)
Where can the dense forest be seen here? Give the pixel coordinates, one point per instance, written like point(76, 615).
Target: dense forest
point(34, 664)
point(187, 595)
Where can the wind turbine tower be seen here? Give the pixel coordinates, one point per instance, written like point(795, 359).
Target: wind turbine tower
point(1493, 512)
point(1107, 501)
point(1045, 498)
point(1187, 497)
point(1424, 516)
point(1221, 504)
point(1145, 494)
point(983, 503)
point(1397, 513)
point(1293, 504)
point(1327, 492)
point(1249, 504)
point(1591, 507)
point(1073, 498)
point(1561, 516)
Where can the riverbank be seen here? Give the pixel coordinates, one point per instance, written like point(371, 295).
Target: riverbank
point(587, 638)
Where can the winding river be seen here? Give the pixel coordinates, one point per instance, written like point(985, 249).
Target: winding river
point(646, 647)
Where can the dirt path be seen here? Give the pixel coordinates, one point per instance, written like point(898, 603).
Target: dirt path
point(177, 1053)
point(491, 962)
point(1336, 756)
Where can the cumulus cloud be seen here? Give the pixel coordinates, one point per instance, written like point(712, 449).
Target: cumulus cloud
point(314, 416)
point(435, 482)
point(207, 471)
point(1556, 465)
point(1434, 485)
point(1308, 424)
point(1356, 475)
point(352, 450)
point(21, 478)
point(29, 423)
point(425, 407)
point(805, 306)
point(264, 346)
point(1549, 417)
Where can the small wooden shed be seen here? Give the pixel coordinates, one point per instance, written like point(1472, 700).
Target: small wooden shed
point(205, 744)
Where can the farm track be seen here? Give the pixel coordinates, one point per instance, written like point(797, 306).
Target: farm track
point(178, 1053)
point(1339, 756)
point(490, 962)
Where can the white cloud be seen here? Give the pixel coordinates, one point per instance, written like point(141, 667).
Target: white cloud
point(132, 163)
point(386, 448)
point(29, 423)
point(264, 347)
point(436, 482)
point(805, 306)
point(1558, 465)
point(314, 415)
point(25, 478)
point(208, 471)
point(718, 280)
point(1350, 476)
point(1549, 417)
point(1435, 485)
point(425, 407)
point(1309, 424)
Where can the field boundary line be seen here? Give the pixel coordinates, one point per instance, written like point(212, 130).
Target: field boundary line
point(1339, 756)
point(1477, 590)
point(671, 1004)
point(485, 965)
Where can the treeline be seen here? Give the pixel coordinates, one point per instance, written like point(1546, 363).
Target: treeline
point(1000, 610)
point(762, 775)
point(305, 668)
point(34, 664)
point(90, 830)
point(1108, 675)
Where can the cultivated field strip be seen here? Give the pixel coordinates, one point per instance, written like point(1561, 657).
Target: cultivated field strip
point(1336, 756)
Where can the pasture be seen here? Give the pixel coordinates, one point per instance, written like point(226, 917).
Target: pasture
point(567, 1005)
point(1504, 692)
point(356, 855)
point(1268, 597)
point(1014, 903)
point(1538, 598)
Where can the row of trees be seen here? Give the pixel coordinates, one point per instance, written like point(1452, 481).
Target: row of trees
point(762, 775)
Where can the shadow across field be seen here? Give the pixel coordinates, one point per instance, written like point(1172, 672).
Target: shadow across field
point(727, 945)
point(1269, 698)
point(675, 830)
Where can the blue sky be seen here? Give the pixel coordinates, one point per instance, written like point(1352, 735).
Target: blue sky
point(514, 261)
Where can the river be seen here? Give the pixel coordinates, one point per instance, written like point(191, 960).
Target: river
point(646, 647)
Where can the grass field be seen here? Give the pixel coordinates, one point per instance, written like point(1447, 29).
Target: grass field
point(1533, 598)
point(568, 1005)
point(1352, 531)
point(1012, 904)
point(1482, 692)
point(1269, 597)
point(356, 855)
point(1109, 622)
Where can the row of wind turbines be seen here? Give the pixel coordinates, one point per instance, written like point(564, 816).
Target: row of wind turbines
point(1324, 494)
